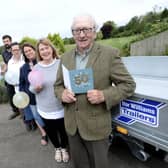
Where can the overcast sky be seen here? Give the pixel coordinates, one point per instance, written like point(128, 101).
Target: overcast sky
point(37, 18)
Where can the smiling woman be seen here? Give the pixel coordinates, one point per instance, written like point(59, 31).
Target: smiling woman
point(49, 106)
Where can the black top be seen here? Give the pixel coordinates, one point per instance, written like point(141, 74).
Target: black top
point(24, 82)
point(6, 56)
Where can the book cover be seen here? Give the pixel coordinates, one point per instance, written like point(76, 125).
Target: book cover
point(79, 81)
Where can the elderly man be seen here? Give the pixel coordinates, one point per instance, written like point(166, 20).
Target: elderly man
point(87, 115)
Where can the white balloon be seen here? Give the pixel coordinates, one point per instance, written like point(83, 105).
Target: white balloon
point(21, 99)
point(11, 77)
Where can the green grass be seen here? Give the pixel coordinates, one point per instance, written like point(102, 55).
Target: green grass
point(117, 42)
point(113, 42)
point(68, 47)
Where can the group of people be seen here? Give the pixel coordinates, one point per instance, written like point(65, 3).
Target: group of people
point(81, 122)
point(44, 109)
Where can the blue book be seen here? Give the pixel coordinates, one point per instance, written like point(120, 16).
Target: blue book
point(79, 81)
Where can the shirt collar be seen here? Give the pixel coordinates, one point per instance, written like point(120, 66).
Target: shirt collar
point(86, 52)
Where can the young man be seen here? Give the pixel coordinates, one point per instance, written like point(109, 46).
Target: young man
point(7, 54)
point(88, 115)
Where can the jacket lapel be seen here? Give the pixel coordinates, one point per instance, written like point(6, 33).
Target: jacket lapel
point(71, 60)
point(93, 55)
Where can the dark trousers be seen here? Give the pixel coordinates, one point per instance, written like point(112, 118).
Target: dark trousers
point(88, 154)
point(55, 130)
point(11, 92)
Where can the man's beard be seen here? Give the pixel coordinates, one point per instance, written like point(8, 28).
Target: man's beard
point(7, 46)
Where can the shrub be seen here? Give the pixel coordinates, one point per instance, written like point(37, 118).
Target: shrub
point(166, 50)
point(3, 94)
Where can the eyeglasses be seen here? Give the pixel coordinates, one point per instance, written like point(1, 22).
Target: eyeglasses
point(84, 30)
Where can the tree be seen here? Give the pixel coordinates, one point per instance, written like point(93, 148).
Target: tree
point(1, 49)
point(107, 29)
point(121, 29)
point(57, 42)
point(69, 40)
point(151, 17)
point(164, 14)
point(134, 25)
point(99, 35)
point(28, 40)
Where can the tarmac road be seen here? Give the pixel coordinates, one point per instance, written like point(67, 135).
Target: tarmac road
point(22, 149)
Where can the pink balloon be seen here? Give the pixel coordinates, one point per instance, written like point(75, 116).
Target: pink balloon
point(35, 77)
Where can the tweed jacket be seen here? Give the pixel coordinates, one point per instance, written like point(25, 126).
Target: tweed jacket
point(93, 121)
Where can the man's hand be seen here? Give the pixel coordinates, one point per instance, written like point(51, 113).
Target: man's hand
point(95, 96)
point(68, 96)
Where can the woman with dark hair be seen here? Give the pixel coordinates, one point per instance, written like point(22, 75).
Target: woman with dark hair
point(29, 54)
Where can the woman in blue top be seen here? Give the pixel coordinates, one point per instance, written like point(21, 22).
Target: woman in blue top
point(29, 54)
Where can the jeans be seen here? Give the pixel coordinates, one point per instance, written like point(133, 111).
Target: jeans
point(28, 113)
point(37, 116)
